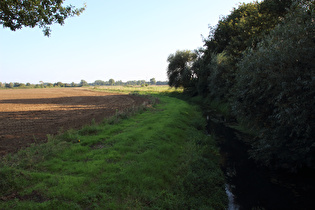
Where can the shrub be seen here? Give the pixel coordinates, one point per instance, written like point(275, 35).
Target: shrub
point(275, 91)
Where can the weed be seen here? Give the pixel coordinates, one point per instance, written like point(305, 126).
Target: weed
point(69, 135)
point(89, 130)
point(6, 180)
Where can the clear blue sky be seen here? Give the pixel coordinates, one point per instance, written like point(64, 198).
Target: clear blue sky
point(119, 39)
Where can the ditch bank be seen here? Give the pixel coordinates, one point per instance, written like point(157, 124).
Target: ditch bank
point(249, 186)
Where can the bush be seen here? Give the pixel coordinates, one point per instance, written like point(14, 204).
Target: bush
point(221, 78)
point(275, 91)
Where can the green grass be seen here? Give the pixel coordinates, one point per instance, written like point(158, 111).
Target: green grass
point(156, 159)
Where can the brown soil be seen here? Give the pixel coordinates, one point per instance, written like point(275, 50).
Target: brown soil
point(28, 115)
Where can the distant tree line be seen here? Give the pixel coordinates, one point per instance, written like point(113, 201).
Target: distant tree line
point(131, 82)
point(260, 60)
point(110, 82)
point(40, 85)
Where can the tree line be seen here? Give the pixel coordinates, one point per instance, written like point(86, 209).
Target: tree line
point(260, 60)
point(82, 83)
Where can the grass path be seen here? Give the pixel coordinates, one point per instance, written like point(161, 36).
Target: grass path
point(157, 159)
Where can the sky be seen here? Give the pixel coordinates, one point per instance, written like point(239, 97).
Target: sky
point(119, 39)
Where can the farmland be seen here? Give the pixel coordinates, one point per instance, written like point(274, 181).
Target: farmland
point(154, 157)
point(28, 115)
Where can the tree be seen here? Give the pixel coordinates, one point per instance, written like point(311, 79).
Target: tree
point(275, 91)
point(41, 83)
point(111, 82)
point(16, 84)
point(153, 81)
point(99, 82)
point(83, 83)
point(59, 84)
point(15, 14)
point(10, 85)
point(119, 82)
point(179, 68)
point(243, 28)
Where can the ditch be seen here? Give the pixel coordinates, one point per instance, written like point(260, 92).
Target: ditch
point(249, 186)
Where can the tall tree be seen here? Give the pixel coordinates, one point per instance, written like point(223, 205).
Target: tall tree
point(10, 85)
point(83, 83)
point(245, 26)
point(15, 14)
point(275, 90)
point(228, 40)
point(111, 81)
point(179, 70)
point(152, 81)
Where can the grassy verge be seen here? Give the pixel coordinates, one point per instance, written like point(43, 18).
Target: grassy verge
point(157, 159)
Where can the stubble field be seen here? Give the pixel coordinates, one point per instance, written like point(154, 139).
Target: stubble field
point(28, 115)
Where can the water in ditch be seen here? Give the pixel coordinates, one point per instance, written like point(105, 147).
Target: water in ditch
point(251, 187)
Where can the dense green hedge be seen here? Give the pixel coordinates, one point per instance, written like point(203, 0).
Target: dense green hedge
point(275, 91)
point(260, 60)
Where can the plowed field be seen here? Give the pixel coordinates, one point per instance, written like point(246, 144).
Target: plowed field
point(28, 115)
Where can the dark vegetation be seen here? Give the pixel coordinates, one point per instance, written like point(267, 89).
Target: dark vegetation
point(259, 64)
